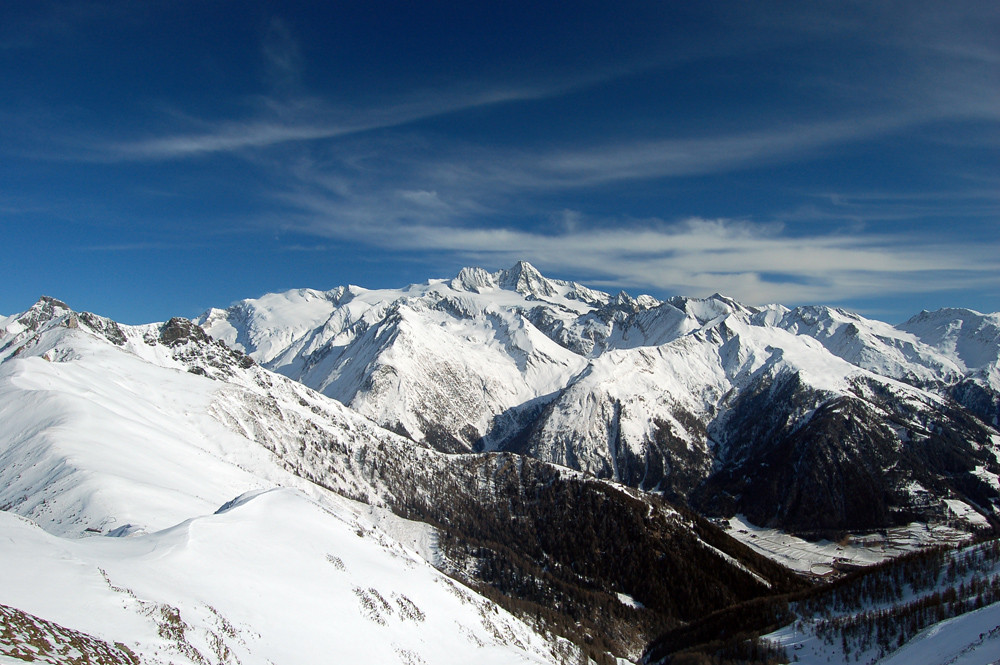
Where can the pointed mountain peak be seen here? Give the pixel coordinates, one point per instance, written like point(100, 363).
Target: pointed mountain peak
point(721, 298)
point(525, 267)
point(624, 300)
point(473, 279)
point(48, 301)
point(48, 308)
point(526, 280)
point(45, 310)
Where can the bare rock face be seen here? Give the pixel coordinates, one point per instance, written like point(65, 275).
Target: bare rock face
point(178, 331)
point(105, 327)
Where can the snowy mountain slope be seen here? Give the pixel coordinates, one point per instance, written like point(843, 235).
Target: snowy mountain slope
point(972, 340)
point(436, 362)
point(647, 410)
point(954, 352)
point(87, 413)
point(273, 578)
point(878, 347)
point(121, 431)
point(744, 418)
point(966, 336)
point(280, 324)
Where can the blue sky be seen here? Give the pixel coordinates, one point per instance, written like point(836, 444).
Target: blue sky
point(161, 157)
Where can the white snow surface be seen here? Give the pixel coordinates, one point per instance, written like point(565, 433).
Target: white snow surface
point(278, 578)
point(142, 504)
point(969, 639)
point(966, 336)
point(85, 421)
point(824, 557)
point(446, 355)
point(965, 512)
point(874, 345)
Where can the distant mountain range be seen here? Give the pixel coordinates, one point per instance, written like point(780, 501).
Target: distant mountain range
point(809, 419)
point(497, 467)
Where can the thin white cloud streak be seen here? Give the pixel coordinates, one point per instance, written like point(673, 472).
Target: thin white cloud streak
point(755, 264)
point(526, 168)
point(716, 154)
point(306, 119)
point(470, 172)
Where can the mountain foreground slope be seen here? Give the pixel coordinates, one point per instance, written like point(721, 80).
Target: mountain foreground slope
point(140, 509)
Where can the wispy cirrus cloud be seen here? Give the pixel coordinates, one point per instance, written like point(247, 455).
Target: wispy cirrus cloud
point(828, 147)
point(753, 262)
point(287, 120)
point(672, 157)
point(455, 204)
point(310, 120)
point(955, 84)
point(450, 181)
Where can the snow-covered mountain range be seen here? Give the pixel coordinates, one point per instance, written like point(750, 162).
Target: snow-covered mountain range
point(809, 418)
point(498, 466)
point(197, 507)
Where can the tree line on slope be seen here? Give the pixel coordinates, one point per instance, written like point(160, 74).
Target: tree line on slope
point(558, 548)
point(545, 540)
point(860, 612)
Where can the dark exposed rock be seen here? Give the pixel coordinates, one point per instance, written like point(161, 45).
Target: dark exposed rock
point(178, 331)
point(105, 327)
point(979, 399)
point(26, 637)
point(845, 465)
point(202, 355)
point(44, 310)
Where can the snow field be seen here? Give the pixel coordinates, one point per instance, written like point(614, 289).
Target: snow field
point(275, 579)
point(823, 558)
